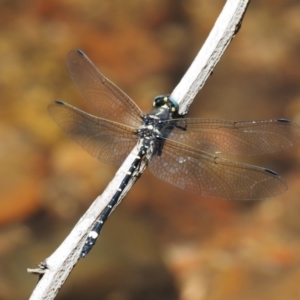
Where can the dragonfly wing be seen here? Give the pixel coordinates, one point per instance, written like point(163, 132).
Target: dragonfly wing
point(108, 100)
point(236, 138)
point(108, 141)
point(210, 176)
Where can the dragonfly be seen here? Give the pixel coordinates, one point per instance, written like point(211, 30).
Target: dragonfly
point(181, 151)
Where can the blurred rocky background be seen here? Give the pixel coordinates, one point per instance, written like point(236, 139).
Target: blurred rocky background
point(161, 243)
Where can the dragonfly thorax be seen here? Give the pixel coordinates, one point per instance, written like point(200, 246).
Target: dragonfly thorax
point(150, 129)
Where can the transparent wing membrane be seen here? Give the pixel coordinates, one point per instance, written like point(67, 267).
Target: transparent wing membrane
point(107, 99)
point(236, 138)
point(108, 141)
point(210, 176)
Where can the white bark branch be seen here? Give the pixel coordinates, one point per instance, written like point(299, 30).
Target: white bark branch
point(56, 268)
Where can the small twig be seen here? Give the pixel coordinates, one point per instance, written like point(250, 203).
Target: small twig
point(55, 269)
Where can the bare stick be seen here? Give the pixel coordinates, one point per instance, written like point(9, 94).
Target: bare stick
point(55, 269)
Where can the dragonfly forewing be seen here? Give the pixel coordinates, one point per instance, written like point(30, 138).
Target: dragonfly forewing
point(109, 101)
point(237, 138)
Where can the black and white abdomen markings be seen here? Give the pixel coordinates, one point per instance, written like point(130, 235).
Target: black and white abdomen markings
point(150, 136)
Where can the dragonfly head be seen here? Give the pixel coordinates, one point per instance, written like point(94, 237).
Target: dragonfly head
point(166, 101)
